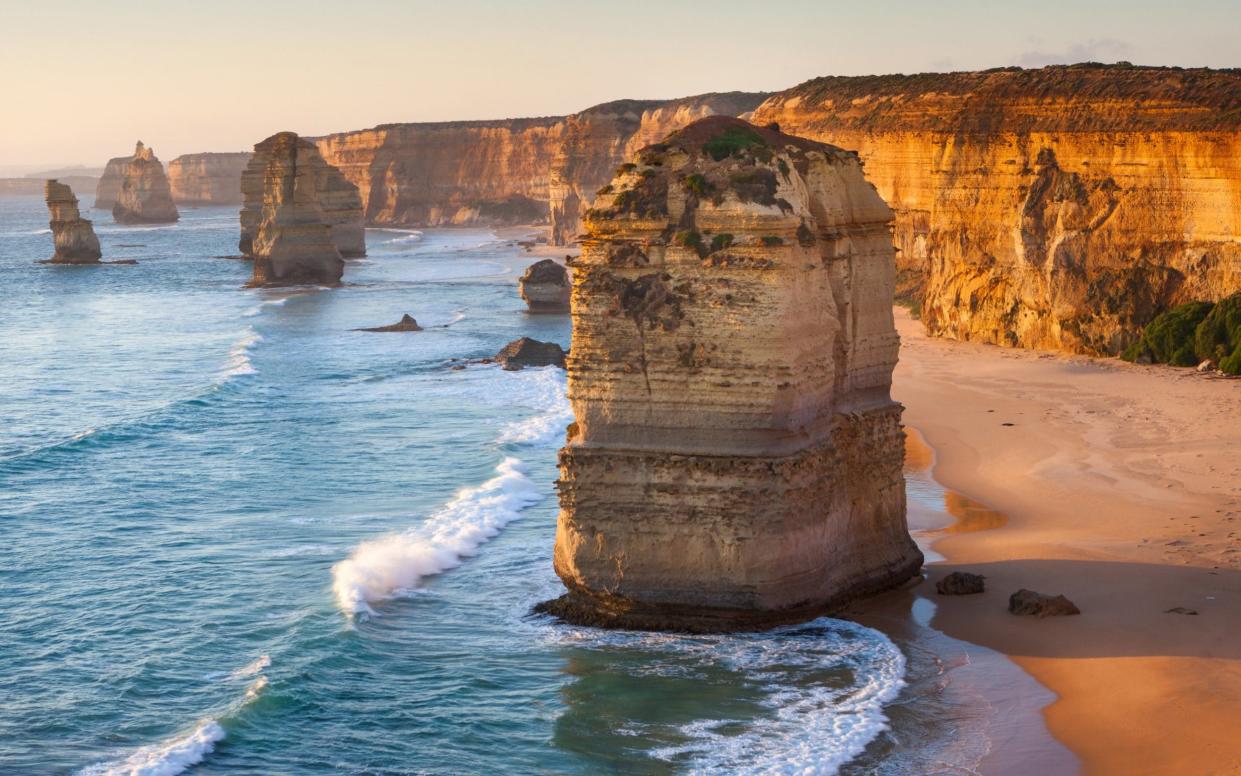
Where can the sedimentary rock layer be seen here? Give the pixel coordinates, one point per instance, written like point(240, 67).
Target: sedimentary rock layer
point(335, 197)
point(291, 240)
point(108, 189)
point(1056, 208)
point(512, 171)
point(145, 197)
point(207, 179)
point(74, 237)
point(736, 456)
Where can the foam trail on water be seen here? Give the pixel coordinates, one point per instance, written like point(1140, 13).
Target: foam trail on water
point(384, 567)
point(549, 385)
point(239, 356)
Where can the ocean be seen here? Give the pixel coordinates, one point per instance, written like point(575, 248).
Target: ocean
point(240, 537)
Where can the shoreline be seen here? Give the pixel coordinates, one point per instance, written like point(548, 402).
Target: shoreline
point(1121, 488)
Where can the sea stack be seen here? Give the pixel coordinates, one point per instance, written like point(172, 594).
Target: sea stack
point(736, 457)
point(292, 242)
point(337, 199)
point(73, 235)
point(145, 196)
point(545, 287)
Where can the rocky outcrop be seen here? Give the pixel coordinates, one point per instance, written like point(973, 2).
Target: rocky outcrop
point(108, 190)
point(506, 172)
point(961, 583)
point(407, 323)
point(335, 198)
point(736, 459)
point(73, 235)
point(290, 240)
point(1027, 603)
point(1058, 208)
point(145, 197)
point(524, 352)
point(545, 287)
point(207, 179)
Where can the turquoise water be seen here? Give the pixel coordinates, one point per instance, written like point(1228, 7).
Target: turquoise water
point(241, 538)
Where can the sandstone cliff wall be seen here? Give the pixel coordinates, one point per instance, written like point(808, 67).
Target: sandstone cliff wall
point(736, 456)
point(207, 179)
point(109, 187)
point(1057, 208)
point(14, 187)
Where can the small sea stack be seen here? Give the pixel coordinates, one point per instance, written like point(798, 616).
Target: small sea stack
point(145, 196)
point(338, 200)
point(407, 323)
point(524, 352)
point(73, 235)
point(291, 241)
point(736, 460)
point(545, 287)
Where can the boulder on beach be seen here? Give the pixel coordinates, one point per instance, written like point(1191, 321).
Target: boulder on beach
point(1027, 603)
point(73, 236)
point(960, 583)
point(525, 352)
point(407, 323)
point(545, 287)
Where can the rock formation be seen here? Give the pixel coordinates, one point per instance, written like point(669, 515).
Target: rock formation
point(1056, 208)
point(961, 583)
point(290, 237)
point(407, 323)
point(336, 198)
point(73, 235)
point(108, 190)
point(545, 287)
point(145, 197)
point(511, 171)
point(736, 459)
point(207, 179)
point(526, 352)
point(1028, 603)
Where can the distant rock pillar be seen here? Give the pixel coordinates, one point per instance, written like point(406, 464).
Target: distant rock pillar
point(74, 236)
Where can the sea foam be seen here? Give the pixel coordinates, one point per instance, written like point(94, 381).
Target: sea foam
point(239, 363)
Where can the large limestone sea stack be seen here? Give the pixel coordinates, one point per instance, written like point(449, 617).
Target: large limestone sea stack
point(73, 235)
point(284, 225)
point(145, 196)
point(736, 456)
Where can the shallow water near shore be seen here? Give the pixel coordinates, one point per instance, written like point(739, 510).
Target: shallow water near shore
point(243, 538)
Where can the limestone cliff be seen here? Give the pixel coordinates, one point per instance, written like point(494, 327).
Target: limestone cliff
point(335, 197)
point(73, 236)
point(512, 171)
point(145, 196)
point(292, 241)
point(1055, 208)
point(207, 179)
point(108, 190)
point(736, 456)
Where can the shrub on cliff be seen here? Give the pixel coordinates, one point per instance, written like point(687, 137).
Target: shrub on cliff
point(731, 142)
point(1218, 337)
point(1169, 339)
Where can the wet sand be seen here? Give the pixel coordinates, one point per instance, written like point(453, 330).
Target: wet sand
point(1120, 486)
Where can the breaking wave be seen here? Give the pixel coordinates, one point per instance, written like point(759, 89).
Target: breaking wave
point(239, 363)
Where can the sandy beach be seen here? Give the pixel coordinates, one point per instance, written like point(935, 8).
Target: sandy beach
point(1121, 485)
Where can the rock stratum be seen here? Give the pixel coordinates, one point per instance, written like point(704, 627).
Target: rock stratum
point(1059, 208)
point(73, 236)
point(145, 196)
point(736, 460)
point(511, 171)
point(333, 199)
point(207, 179)
point(286, 228)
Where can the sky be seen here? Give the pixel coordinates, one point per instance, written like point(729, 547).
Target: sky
point(81, 80)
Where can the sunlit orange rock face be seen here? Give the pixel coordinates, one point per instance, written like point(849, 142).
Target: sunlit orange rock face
point(208, 178)
point(736, 456)
point(1058, 208)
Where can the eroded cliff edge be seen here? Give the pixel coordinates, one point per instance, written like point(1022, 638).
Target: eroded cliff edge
point(1058, 208)
point(736, 456)
point(207, 179)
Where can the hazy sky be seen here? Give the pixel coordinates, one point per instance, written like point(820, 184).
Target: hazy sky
point(80, 80)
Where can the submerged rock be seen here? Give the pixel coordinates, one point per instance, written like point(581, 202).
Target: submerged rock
point(529, 352)
point(407, 323)
point(1027, 603)
point(545, 287)
point(145, 196)
point(960, 583)
point(291, 241)
point(736, 460)
point(74, 237)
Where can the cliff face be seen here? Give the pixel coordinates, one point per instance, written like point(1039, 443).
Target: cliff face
point(10, 187)
point(109, 187)
point(145, 196)
point(1059, 208)
point(736, 457)
point(514, 171)
point(73, 235)
point(336, 198)
point(292, 243)
point(207, 179)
